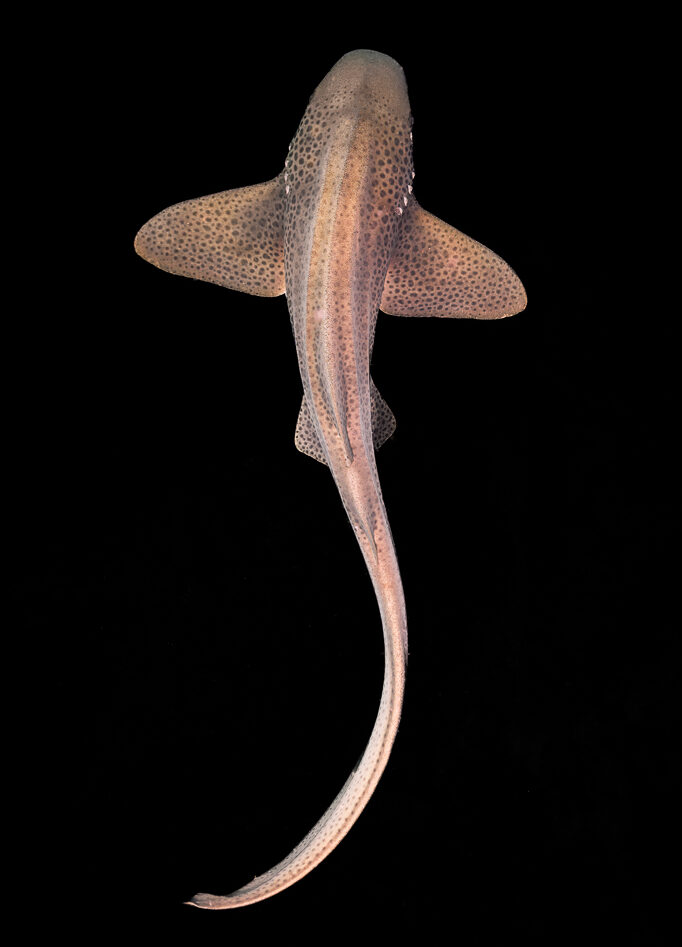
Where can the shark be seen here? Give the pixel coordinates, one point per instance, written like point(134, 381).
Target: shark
point(340, 232)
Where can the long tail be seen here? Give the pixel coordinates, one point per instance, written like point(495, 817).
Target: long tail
point(347, 806)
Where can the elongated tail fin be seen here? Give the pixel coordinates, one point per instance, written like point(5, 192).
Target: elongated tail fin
point(342, 813)
point(347, 806)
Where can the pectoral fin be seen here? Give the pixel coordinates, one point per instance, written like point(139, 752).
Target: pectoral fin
point(233, 238)
point(437, 271)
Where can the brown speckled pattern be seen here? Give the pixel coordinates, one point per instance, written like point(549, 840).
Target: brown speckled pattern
point(383, 419)
point(341, 230)
point(347, 174)
point(233, 238)
point(437, 271)
point(307, 439)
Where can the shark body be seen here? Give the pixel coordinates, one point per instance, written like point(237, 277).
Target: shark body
point(340, 231)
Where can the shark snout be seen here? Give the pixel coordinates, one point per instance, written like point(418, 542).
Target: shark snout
point(367, 57)
point(145, 242)
point(370, 75)
point(157, 241)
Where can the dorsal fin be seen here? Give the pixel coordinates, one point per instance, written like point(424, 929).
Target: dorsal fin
point(308, 441)
point(233, 238)
point(436, 270)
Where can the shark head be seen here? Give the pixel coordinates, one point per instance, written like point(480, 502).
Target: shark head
point(365, 78)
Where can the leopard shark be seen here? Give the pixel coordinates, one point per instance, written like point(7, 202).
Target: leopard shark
point(340, 232)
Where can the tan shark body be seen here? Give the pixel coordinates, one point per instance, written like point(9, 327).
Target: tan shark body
point(340, 231)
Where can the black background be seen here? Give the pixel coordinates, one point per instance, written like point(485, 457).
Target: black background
point(212, 642)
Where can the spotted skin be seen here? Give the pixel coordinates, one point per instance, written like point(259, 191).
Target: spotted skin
point(233, 238)
point(341, 230)
point(437, 271)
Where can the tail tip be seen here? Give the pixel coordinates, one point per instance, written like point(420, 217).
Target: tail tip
point(201, 900)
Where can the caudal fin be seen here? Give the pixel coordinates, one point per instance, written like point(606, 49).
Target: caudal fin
point(345, 809)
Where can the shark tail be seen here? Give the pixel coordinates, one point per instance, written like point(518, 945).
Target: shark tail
point(358, 788)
